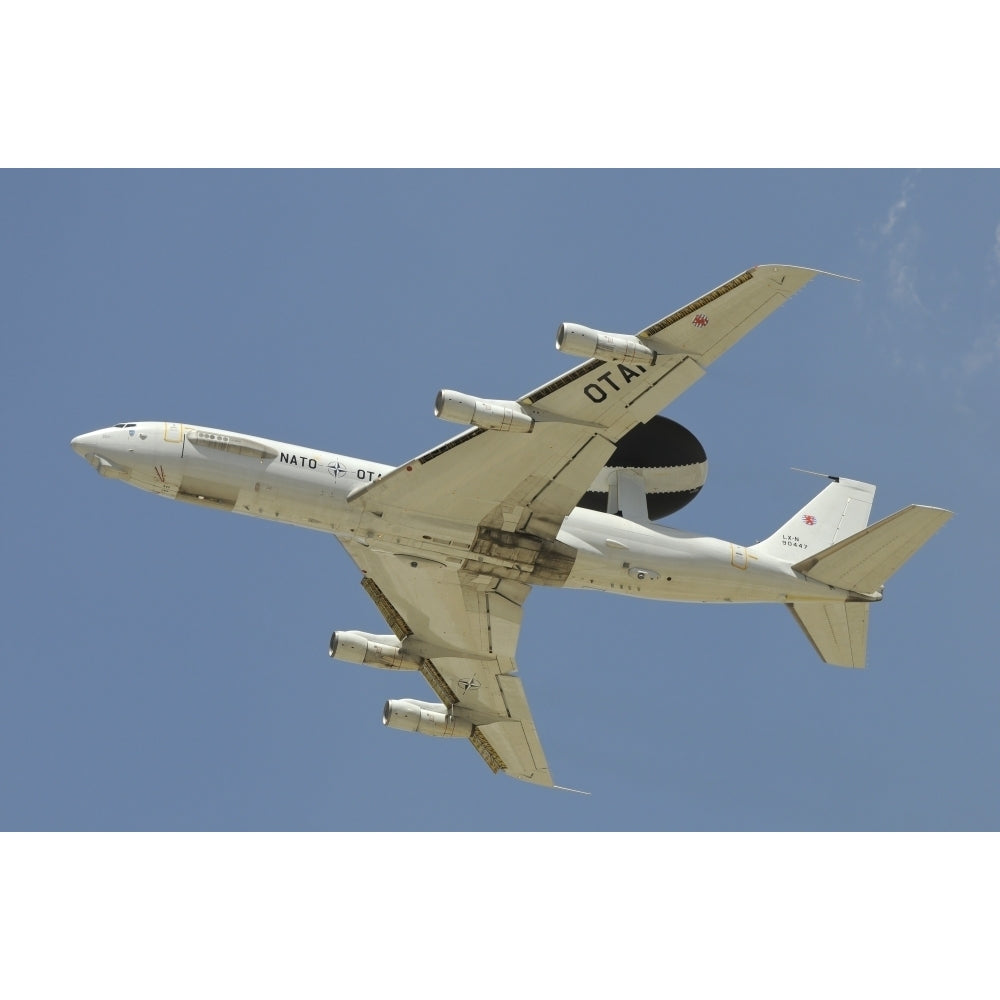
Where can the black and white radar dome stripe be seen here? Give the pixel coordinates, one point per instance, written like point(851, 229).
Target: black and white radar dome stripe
point(667, 456)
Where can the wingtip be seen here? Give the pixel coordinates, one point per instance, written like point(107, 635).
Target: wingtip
point(813, 270)
point(841, 277)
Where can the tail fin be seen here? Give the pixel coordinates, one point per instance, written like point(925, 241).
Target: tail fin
point(860, 563)
point(840, 511)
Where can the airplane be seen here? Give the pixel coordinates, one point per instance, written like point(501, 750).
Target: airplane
point(561, 487)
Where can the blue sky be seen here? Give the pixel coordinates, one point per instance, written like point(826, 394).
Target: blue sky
point(165, 667)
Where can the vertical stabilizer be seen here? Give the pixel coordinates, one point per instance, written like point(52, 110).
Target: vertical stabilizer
point(840, 511)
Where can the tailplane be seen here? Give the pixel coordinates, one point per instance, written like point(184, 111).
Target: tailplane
point(838, 631)
point(860, 564)
point(864, 561)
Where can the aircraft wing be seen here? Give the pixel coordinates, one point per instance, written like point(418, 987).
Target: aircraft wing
point(528, 482)
point(464, 628)
point(451, 542)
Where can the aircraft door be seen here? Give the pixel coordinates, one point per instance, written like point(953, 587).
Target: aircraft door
point(175, 434)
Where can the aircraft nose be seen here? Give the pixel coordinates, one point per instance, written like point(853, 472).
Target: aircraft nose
point(106, 455)
point(83, 443)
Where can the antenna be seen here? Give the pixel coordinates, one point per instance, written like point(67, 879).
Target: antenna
point(822, 475)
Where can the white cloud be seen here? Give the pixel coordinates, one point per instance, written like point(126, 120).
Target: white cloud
point(903, 277)
point(984, 352)
point(910, 334)
point(993, 265)
point(897, 209)
point(902, 234)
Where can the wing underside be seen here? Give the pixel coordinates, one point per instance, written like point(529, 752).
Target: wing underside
point(530, 482)
point(465, 629)
point(451, 542)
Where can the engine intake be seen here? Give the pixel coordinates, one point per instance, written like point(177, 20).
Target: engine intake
point(374, 650)
point(490, 414)
point(426, 717)
point(571, 338)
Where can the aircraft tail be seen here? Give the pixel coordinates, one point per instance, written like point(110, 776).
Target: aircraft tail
point(860, 563)
point(829, 540)
point(840, 511)
point(838, 631)
point(863, 562)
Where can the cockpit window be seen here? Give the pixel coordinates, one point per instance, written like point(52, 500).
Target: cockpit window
point(124, 425)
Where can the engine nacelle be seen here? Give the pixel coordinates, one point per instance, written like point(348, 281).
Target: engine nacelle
point(572, 338)
point(426, 717)
point(490, 414)
point(374, 650)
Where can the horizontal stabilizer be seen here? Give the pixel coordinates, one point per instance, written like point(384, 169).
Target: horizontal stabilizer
point(863, 562)
point(838, 631)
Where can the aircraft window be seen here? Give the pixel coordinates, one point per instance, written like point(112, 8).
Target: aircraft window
point(119, 425)
point(130, 425)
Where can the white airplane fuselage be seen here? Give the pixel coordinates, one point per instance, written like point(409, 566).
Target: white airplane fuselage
point(309, 488)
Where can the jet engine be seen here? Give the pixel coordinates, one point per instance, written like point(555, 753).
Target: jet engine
point(669, 460)
point(382, 651)
point(427, 717)
point(572, 338)
point(490, 414)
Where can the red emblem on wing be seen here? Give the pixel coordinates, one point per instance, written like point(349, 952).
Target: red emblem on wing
point(700, 320)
